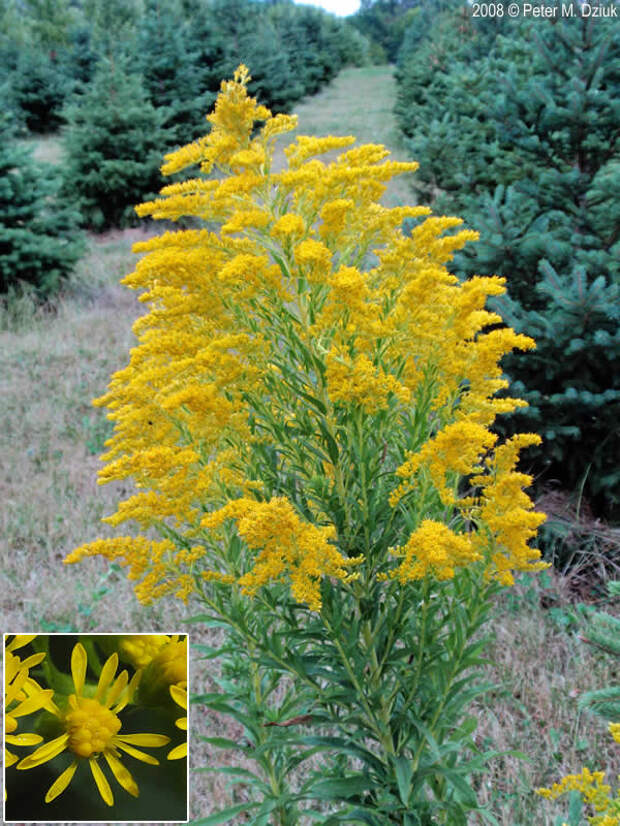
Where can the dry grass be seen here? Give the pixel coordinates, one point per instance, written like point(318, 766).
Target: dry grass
point(542, 666)
point(51, 368)
point(55, 361)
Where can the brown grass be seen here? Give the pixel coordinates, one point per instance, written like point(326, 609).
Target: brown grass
point(55, 361)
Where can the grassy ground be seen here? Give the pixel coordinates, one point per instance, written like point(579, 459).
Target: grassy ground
point(54, 361)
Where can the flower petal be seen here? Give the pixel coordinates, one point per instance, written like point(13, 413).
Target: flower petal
point(178, 752)
point(61, 783)
point(44, 753)
point(127, 695)
point(122, 774)
point(179, 695)
point(36, 701)
point(23, 739)
point(15, 687)
point(181, 723)
point(33, 660)
point(107, 675)
point(120, 684)
point(139, 755)
point(19, 640)
point(79, 661)
point(144, 739)
point(102, 784)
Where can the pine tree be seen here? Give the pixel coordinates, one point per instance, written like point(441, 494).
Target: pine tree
point(39, 239)
point(170, 73)
point(37, 90)
point(113, 147)
point(524, 144)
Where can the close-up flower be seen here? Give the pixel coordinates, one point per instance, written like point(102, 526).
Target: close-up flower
point(92, 729)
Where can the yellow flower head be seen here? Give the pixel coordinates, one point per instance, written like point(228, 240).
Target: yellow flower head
point(170, 661)
point(594, 791)
point(93, 728)
point(140, 649)
point(433, 548)
point(287, 546)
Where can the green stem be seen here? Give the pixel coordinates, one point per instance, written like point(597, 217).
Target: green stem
point(382, 734)
point(286, 666)
point(360, 438)
point(454, 671)
point(421, 648)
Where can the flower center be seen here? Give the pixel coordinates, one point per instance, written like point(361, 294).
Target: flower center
point(90, 727)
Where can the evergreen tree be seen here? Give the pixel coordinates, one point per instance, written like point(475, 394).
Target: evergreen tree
point(49, 22)
point(39, 240)
point(523, 143)
point(603, 632)
point(114, 25)
point(290, 50)
point(80, 58)
point(170, 73)
point(385, 22)
point(37, 90)
point(113, 146)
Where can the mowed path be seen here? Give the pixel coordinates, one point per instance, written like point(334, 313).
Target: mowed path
point(360, 102)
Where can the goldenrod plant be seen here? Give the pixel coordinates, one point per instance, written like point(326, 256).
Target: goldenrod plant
point(307, 419)
point(82, 727)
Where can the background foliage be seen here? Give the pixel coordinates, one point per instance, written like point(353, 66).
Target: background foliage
point(514, 124)
point(39, 237)
point(127, 80)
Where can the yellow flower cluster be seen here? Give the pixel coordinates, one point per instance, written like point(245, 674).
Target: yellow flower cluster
point(286, 545)
point(308, 306)
point(594, 791)
point(141, 649)
point(433, 548)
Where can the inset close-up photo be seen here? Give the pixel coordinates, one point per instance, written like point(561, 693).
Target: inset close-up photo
point(95, 727)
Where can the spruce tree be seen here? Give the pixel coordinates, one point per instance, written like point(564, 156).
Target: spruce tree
point(38, 89)
point(603, 632)
point(39, 239)
point(530, 158)
point(170, 73)
point(113, 147)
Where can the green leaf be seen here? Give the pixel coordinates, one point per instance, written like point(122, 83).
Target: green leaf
point(222, 743)
point(340, 745)
point(339, 788)
point(404, 771)
point(464, 792)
